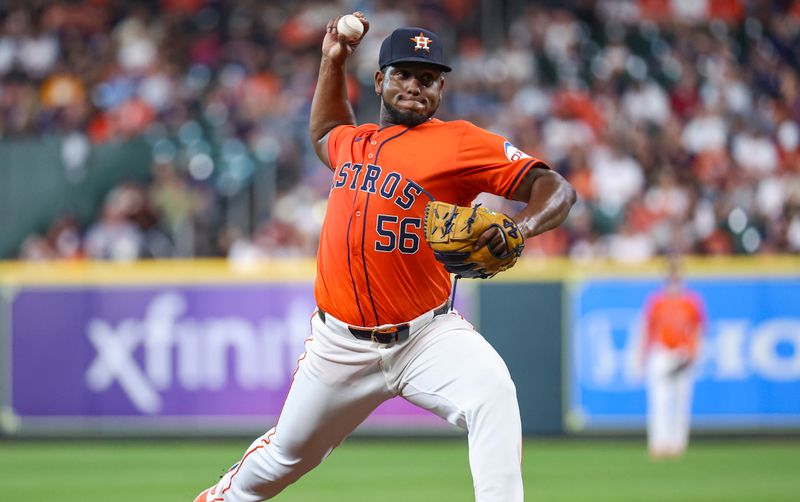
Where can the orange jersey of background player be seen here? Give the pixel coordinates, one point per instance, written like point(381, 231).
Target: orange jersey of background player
point(373, 264)
point(674, 320)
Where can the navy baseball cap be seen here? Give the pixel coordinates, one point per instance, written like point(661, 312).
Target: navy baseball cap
point(412, 45)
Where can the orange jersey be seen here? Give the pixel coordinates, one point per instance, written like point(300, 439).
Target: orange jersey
point(373, 264)
point(675, 319)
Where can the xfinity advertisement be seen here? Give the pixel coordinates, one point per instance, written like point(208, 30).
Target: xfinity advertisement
point(222, 353)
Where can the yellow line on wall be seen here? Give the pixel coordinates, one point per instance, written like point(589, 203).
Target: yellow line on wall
point(156, 272)
point(558, 269)
point(14, 273)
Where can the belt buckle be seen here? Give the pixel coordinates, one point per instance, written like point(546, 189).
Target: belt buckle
point(381, 331)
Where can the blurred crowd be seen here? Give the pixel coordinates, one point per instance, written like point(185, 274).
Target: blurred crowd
point(677, 121)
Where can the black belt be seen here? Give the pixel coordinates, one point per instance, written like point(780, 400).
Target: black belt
point(391, 334)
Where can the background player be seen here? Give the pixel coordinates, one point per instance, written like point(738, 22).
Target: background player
point(674, 322)
point(383, 327)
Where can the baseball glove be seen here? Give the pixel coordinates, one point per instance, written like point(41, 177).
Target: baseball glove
point(451, 231)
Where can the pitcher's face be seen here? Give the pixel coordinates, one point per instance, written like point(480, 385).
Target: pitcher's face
point(410, 92)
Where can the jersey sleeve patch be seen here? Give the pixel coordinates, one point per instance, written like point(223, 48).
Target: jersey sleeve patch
point(513, 153)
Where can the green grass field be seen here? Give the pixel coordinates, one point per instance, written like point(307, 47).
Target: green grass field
point(408, 470)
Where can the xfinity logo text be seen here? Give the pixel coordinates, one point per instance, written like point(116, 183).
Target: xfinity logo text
point(165, 349)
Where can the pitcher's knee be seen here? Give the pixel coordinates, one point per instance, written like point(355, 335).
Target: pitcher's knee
point(498, 394)
point(503, 391)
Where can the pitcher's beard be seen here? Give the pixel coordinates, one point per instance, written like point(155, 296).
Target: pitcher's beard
point(407, 118)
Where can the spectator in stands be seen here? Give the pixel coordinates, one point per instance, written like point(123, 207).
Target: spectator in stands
point(114, 236)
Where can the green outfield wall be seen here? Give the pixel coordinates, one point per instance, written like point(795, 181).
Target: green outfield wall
point(524, 322)
point(37, 184)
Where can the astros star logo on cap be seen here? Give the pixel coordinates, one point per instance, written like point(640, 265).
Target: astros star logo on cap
point(422, 42)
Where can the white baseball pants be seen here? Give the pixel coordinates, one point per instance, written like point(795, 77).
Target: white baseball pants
point(445, 367)
point(669, 400)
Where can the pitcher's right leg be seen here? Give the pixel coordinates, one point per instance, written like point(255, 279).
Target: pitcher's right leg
point(338, 383)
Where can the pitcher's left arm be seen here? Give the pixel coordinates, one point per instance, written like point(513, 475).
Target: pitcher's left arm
point(550, 198)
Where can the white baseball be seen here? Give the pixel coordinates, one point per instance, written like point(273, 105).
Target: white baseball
point(350, 27)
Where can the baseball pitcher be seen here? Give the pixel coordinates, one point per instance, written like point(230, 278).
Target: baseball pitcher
point(399, 221)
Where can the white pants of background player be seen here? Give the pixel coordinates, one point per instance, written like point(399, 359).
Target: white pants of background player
point(445, 367)
point(669, 401)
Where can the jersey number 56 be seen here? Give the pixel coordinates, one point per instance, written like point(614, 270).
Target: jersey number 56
point(400, 236)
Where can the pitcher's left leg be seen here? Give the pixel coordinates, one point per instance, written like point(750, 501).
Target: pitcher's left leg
point(454, 372)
